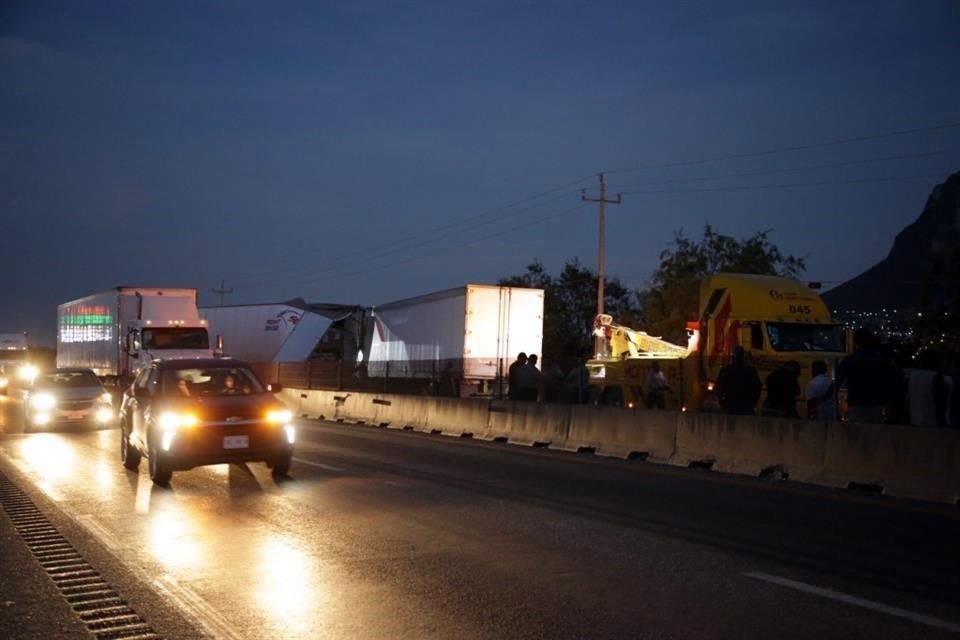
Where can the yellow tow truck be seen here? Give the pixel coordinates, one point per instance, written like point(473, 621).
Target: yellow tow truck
point(774, 319)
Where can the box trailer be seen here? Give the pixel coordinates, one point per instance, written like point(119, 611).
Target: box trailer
point(286, 332)
point(14, 360)
point(477, 329)
point(117, 332)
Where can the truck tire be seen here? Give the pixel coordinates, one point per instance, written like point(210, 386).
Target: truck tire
point(129, 455)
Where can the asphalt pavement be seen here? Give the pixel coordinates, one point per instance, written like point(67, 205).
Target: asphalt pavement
point(387, 534)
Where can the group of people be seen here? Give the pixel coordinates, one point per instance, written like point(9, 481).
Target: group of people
point(524, 379)
point(872, 384)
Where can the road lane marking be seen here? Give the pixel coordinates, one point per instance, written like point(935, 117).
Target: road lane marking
point(98, 531)
point(855, 601)
point(319, 465)
point(203, 613)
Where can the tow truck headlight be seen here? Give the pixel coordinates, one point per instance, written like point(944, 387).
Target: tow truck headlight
point(170, 421)
point(280, 416)
point(43, 402)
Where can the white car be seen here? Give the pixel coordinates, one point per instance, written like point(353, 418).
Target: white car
point(67, 397)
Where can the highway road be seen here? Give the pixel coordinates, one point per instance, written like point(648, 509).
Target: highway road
point(390, 534)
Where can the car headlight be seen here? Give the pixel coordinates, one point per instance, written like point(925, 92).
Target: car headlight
point(28, 373)
point(104, 415)
point(279, 416)
point(170, 421)
point(43, 402)
point(290, 432)
point(106, 398)
point(3, 381)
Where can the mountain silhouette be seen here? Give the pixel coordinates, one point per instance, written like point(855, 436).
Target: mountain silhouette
point(902, 279)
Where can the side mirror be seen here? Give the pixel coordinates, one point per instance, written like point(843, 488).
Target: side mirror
point(274, 387)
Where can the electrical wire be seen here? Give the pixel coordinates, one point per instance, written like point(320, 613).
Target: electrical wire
point(809, 167)
point(778, 150)
point(786, 185)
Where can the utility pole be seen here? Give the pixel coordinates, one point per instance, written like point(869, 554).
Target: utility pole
point(601, 252)
point(222, 290)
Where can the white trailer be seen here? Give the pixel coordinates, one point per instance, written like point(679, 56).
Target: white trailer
point(478, 329)
point(119, 331)
point(280, 332)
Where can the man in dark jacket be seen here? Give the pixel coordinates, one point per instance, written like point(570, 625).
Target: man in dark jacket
point(738, 386)
point(513, 389)
point(783, 389)
point(869, 380)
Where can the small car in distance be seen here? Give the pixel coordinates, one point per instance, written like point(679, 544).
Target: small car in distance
point(187, 413)
point(66, 396)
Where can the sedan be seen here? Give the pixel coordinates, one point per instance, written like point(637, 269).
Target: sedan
point(66, 397)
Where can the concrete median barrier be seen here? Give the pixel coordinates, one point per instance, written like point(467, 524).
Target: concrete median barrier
point(402, 412)
point(529, 423)
point(624, 433)
point(751, 445)
point(910, 462)
point(316, 404)
point(459, 416)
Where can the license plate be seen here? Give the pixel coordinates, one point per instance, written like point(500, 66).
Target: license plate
point(76, 415)
point(236, 442)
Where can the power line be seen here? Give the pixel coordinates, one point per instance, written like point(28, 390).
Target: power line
point(315, 270)
point(809, 167)
point(804, 147)
point(505, 209)
point(786, 185)
point(442, 251)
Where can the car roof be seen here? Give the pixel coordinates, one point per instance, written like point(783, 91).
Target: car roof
point(198, 363)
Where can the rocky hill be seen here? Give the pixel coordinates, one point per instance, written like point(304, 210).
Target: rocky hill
point(899, 280)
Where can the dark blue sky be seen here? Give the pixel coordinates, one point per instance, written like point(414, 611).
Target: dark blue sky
point(362, 152)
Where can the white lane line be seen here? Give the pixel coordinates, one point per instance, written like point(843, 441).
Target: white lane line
point(98, 531)
point(319, 465)
point(857, 602)
point(184, 597)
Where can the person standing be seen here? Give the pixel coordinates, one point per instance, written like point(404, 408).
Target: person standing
point(655, 388)
point(820, 394)
point(513, 386)
point(867, 377)
point(783, 389)
point(739, 386)
point(528, 379)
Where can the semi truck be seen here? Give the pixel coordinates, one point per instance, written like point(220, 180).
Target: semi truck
point(471, 333)
point(118, 332)
point(14, 361)
point(774, 320)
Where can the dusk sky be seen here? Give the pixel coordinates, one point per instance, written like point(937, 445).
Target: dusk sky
point(362, 152)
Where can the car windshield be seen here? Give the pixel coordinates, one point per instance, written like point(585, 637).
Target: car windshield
point(67, 379)
point(210, 381)
point(11, 355)
point(804, 337)
point(175, 338)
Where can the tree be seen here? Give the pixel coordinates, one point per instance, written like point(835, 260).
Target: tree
point(672, 297)
point(570, 304)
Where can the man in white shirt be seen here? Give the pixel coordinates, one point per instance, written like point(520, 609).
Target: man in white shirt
point(820, 394)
